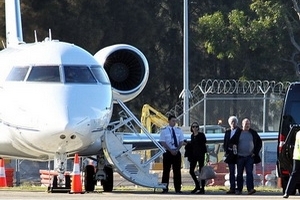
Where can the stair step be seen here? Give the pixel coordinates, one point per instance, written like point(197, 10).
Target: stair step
point(128, 164)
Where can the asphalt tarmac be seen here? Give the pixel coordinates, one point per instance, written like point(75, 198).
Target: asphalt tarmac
point(135, 195)
point(124, 190)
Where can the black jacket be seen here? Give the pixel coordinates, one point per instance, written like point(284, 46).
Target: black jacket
point(196, 148)
point(228, 143)
point(257, 142)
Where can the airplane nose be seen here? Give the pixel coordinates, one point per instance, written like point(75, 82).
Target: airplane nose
point(68, 120)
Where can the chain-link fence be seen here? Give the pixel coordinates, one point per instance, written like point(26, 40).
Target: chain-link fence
point(213, 101)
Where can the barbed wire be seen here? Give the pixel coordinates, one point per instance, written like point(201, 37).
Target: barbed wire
point(230, 87)
point(215, 86)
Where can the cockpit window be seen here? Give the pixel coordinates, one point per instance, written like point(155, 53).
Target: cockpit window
point(78, 74)
point(100, 74)
point(44, 74)
point(17, 74)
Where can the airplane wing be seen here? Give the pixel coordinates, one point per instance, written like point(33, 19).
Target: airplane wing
point(142, 142)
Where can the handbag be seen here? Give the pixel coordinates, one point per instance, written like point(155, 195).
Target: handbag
point(207, 172)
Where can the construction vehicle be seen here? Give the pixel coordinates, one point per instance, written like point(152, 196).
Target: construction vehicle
point(152, 119)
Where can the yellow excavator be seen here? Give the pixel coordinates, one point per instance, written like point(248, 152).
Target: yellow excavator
point(152, 119)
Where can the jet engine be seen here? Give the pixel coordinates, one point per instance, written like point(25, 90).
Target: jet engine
point(127, 69)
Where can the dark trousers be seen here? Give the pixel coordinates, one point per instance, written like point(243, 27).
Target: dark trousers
point(247, 164)
point(174, 161)
point(231, 167)
point(293, 178)
point(193, 164)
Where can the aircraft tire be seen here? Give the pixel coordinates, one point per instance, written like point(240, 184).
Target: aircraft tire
point(54, 182)
point(89, 183)
point(108, 184)
point(67, 181)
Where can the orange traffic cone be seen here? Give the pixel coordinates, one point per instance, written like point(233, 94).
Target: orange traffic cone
point(3, 182)
point(76, 186)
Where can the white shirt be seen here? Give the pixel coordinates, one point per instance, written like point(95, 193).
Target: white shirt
point(167, 136)
point(232, 133)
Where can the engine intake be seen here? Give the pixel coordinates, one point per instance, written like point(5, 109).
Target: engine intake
point(127, 69)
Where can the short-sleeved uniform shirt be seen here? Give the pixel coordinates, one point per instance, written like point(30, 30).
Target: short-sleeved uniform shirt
point(167, 136)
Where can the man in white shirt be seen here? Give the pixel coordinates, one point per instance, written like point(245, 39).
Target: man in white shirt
point(171, 138)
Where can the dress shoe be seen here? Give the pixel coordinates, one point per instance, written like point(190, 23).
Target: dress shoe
point(195, 190)
point(201, 191)
point(285, 196)
point(230, 192)
point(164, 192)
point(237, 192)
point(179, 192)
point(251, 191)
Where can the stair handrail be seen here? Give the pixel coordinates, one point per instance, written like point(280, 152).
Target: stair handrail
point(145, 131)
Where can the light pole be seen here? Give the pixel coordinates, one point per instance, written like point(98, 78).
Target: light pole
point(185, 94)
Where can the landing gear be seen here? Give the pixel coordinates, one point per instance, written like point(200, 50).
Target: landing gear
point(102, 172)
point(89, 178)
point(108, 183)
point(60, 183)
point(56, 188)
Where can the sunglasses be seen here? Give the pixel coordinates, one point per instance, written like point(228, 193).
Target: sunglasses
point(195, 126)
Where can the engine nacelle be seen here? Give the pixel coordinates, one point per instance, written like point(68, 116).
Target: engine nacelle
point(127, 69)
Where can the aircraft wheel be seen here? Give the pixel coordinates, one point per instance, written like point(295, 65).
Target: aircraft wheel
point(54, 182)
point(67, 181)
point(108, 184)
point(89, 183)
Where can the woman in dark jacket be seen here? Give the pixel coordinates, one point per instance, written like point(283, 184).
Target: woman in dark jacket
point(197, 155)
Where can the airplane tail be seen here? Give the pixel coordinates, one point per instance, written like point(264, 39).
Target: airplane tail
point(14, 35)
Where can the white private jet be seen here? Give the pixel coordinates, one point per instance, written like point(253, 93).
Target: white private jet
point(56, 99)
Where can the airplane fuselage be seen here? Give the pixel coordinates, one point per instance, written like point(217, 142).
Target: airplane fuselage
point(54, 97)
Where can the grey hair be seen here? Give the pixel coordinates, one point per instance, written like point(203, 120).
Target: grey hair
point(232, 118)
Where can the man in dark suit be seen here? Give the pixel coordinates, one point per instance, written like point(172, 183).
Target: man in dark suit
point(230, 151)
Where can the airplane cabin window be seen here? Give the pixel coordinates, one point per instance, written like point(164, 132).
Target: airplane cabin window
point(78, 74)
point(44, 74)
point(17, 74)
point(100, 74)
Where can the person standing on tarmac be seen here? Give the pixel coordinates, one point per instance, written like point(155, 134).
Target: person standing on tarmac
point(171, 138)
point(197, 155)
point(294, 177)
point(229, 145)
point(248, 148)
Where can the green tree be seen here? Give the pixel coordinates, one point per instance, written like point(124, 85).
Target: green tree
point(248, 39)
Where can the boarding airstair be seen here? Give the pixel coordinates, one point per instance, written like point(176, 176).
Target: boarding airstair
point(127, 162)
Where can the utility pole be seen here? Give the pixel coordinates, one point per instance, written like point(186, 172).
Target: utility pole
point(185, 94)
